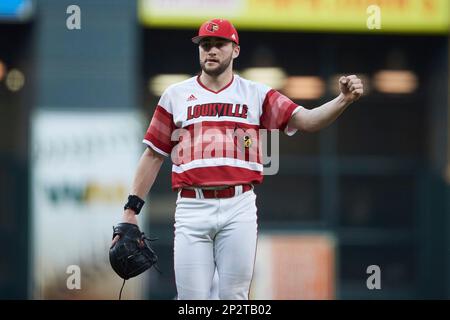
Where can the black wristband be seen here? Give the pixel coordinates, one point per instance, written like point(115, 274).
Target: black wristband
point(134, 203)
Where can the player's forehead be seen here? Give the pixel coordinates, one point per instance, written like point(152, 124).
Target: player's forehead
point(214, 39)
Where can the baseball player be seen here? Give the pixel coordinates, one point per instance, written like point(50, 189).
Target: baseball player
point(209, 126)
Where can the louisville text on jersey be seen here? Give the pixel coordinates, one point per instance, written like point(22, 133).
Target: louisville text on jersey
point(217, 109)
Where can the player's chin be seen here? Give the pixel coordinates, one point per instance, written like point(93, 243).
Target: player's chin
point(212, 70)
point(211, 65)
point(207, 67)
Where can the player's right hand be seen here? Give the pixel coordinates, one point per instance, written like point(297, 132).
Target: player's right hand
point(128, 216)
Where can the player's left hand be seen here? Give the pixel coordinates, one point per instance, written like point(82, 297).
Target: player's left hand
point(351, 88)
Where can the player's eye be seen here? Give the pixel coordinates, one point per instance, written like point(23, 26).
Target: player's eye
point(219, 44)
point(207, 45)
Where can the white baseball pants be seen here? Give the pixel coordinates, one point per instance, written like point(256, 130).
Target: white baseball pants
point(212, 233)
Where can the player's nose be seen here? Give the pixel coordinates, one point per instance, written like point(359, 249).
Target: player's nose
point(213, 50)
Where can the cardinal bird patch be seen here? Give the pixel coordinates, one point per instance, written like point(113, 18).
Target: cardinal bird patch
point(212, 27)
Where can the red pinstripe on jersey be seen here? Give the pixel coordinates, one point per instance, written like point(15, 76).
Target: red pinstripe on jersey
point(277, 110)
point(209, 139)
point(213, 176)
point(160, 130)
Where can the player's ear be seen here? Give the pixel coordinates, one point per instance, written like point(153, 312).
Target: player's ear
point(236, 50)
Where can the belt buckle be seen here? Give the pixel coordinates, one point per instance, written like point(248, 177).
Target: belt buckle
point(215, 193)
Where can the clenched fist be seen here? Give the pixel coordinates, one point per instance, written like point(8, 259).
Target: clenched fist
point(351, 87)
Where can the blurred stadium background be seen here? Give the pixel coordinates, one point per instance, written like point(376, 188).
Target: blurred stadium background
point(372, 189)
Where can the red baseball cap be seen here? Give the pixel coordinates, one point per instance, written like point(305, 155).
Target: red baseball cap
point(220, 28)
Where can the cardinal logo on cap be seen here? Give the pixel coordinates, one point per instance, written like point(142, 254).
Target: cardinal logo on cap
point(212, 27)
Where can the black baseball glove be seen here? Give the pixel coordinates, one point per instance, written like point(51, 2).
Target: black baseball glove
point(131, 255)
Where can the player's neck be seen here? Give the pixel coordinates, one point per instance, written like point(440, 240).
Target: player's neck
point(216, 83)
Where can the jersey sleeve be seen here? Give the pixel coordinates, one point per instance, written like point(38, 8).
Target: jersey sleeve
point(276, 112)
point(159, 132)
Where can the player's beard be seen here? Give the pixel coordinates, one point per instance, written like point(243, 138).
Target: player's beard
point(218, 70)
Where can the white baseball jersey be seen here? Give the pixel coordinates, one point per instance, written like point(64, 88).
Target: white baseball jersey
point(204, 156)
